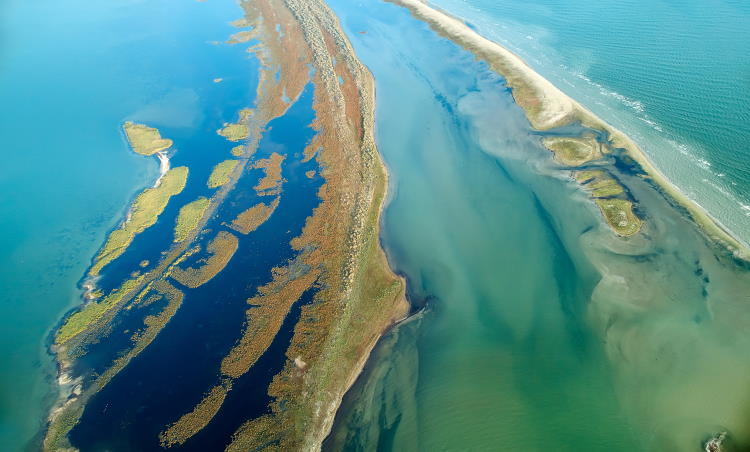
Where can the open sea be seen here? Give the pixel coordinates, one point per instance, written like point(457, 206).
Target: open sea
point(674, 75)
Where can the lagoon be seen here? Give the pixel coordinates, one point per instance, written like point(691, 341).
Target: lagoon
point(541, 329)
point(73, 72)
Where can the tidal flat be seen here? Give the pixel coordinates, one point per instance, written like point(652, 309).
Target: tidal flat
point(544, 326)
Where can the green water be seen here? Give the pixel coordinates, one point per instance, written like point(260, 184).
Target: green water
point(674, 75)
point(542, 330)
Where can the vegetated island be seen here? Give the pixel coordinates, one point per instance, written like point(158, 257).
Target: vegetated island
point(547, 107)
point(143, 214)
point(88, 323)
point(356, 296)
point(221, 173)
point(145, 140)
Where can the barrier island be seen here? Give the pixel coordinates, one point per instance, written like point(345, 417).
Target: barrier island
point(547, 108)
point(333, 296)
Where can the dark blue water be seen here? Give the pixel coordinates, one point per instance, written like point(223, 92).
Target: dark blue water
point(71, 73)
point(171, 376)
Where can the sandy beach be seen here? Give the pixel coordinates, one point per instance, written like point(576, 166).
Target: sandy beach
point(546, 107)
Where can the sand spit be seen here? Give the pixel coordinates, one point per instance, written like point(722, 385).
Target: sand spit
point(546, 107)
point(359, 296)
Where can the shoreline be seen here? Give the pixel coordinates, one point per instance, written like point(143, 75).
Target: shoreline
point(547, 107)
point(377, 192)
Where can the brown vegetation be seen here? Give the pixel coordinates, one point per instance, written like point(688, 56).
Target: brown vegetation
point(219, 251)
point(270, 184)
point(193, 422)
point(249, 220)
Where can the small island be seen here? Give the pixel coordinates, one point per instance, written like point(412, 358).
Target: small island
point(189, 217)
point(145, 140)
point(221, 172)
point(572, 151)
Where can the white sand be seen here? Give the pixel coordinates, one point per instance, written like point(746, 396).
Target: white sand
point(557, 108)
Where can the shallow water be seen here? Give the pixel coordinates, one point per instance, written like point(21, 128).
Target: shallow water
point(542, 329)
point(673, 75)
point(72, 72)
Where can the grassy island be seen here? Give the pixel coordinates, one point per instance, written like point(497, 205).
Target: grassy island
point(249, 220)
point(221, 172)
point(574, 151)
point(194, 421)
point(90, 313)
point(145, 211)
point(599, 183)
point(619, 215)
point(234, 132)
point(145, 140)
point(189, 217)
point(270, 184)
point(220, 250)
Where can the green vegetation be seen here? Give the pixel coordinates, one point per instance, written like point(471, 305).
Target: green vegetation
point(145, 140)
point(599, 183)
point(240, 23)
point(584, 176)
point(619, 214)
point(573, 151)
point(189, 217)
point(221, 172)
point(245, 114)
point(60, 426)
point(605, 188)
point(90, 313)
point(234, 132)
point(145, 211)
point(238, 151)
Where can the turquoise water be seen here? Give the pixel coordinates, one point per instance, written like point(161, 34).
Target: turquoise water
point(541, 329)
point(72, 72)
point(673, 75)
